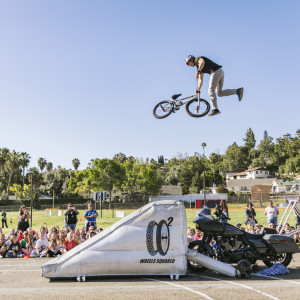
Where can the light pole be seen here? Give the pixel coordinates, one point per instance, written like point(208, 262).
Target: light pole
point(204, 194)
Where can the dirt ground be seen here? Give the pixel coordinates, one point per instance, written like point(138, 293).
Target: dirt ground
point(21, 279)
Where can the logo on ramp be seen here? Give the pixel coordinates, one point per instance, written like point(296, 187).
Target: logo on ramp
point(158, 237)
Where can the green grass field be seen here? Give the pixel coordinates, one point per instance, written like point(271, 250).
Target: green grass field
point(236, 214)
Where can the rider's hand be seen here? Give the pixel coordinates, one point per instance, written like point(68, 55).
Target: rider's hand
point(197, 75)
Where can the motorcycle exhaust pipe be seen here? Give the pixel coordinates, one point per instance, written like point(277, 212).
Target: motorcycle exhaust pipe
point(212, 264)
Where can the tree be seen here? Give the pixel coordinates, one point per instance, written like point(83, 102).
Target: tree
point(55, 181)
point(105, 174)
point(11, 165)
point(249, 140)
point(214, 159)
point(49, 166)
point(42, 163)
point(120, 157)
point(235, 157)
point(4, 153)
point(161, 159)
point(265, 150)
point(22, 192)
point(173, 174)
point(76, 163)
point(130, 185)
point(80, 183)
point(149, 181)
point(24, 162)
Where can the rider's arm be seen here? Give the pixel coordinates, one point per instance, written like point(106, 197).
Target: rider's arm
point(200, 82)
point(201, 64)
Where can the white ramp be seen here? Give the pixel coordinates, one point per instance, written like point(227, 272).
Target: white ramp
point(149, 241)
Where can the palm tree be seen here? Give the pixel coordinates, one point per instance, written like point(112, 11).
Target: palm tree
point(76, 163)
point(4, 152)
point(24, 162)
point(11, 165)
point(49, 166)
point(42, 163)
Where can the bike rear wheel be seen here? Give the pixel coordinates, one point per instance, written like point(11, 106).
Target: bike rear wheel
point(197, 109)
point(163, 109)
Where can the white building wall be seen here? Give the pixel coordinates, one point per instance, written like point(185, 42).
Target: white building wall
point(190, 197)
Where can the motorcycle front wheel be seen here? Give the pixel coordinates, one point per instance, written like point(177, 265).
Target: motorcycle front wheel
point(195, 245)
point(283, 258)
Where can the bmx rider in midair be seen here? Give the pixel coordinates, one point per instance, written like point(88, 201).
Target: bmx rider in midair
point(216, 81)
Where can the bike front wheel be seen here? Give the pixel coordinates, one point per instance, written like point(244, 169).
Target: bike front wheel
point(197, 109)
point(163, 109)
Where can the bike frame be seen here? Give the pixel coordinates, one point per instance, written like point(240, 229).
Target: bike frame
point(178, 100)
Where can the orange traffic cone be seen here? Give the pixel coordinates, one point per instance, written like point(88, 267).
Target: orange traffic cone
point(80, 219)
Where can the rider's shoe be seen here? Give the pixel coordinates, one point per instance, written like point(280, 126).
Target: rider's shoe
point(240, 93)
point(214, 112)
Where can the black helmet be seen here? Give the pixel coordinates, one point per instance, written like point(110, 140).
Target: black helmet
point(190, 58)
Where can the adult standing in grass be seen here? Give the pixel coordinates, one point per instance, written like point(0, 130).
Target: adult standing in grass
point(271, 212)
point(250, 215)
point(90, 217)
point(4, 218)
point(71, 217)
point(24, 217)
point(225, 207)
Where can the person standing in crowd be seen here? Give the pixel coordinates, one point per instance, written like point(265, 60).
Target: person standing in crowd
point(90, 217)
point(271, 212)
point(71, 217)
point(250, 214)
point(4, 219)
point(225, 207)
point(24, 217)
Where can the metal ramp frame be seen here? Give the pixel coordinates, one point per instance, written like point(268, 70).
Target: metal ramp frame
point(293, 206)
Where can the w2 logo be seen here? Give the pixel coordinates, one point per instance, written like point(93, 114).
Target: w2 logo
point(158, 237)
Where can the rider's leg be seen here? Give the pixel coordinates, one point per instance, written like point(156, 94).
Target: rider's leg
point(213, 83)
point(220, 92)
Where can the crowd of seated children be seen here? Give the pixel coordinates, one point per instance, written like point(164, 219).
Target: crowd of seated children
point(45, 243)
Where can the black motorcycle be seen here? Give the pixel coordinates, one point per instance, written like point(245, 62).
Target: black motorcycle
point(231, 245)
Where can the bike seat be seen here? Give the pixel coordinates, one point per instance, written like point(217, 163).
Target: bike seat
point(175, 96)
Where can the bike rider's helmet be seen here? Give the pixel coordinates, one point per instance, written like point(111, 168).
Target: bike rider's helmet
point(190, 58)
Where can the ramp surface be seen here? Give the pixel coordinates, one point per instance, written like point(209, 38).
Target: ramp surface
point(149, 241)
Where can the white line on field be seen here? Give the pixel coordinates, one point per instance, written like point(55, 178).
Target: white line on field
point(182, 287)
point(277, 278)
point(239, 284)
point(13, 270)
point(10, 270)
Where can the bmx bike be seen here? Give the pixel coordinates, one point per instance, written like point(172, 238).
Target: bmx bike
point(195, 106)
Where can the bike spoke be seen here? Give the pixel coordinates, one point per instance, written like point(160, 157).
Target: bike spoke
point(163, 109)
point(197, 109)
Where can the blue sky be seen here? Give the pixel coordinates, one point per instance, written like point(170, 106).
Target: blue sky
point(80, 78)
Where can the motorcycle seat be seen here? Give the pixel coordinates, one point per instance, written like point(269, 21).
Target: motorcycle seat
point(174, 97)
point(253, 236)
